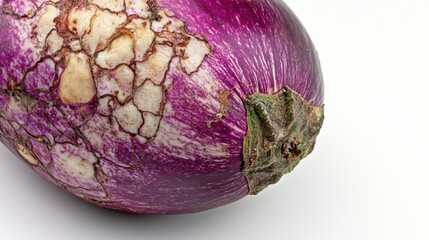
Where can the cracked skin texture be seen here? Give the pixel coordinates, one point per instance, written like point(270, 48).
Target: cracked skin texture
point(111, 100)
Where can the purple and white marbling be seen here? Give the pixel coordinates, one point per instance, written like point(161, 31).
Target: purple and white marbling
point(121, 102)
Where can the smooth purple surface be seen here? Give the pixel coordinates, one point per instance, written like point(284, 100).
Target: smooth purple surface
point(191, 165)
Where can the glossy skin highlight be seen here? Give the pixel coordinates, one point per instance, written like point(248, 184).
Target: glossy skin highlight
point(183, 151)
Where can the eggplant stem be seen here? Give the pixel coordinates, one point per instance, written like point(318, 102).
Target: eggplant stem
point(282, 130)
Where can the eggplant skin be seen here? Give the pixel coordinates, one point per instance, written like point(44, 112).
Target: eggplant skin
point(138, 105)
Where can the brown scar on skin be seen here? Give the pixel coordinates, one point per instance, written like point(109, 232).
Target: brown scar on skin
point(153, 9)
point(73, 45)
point(224, 104)
point(5, 9)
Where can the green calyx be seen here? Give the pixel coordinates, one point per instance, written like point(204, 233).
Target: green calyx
point(282, 130)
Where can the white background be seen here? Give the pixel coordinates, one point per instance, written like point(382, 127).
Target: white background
point(367, 178)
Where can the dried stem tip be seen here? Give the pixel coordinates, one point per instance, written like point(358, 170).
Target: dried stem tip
point(282, 130)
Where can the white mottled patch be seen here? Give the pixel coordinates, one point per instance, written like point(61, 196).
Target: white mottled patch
point(79, 20)
point(174, 24)
point(104, 105)
point(104, 25)
point(93, 136)
point(17, 112)
point(138, 7)
point(114, 140)
point(143, 36)
point(75, 45)
point(170, 137)
point(112, 5)
point(106, 84)
point(129, 117)
point(54, 42)
point(124, 77)
point(155, 67)
point(46, 23)
point(149, 97)
point(118, 83)
point(76, 83)
point(26, 154)
point(150, 126)
point(74, 161)
point(129, 79)
point(141, 140)
point(19, 8)
point(195, 52)
point(120, 51)
point(158, 26)
point(203, 79)
point(16, 126)
point(79, 167)
point(15, 105)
